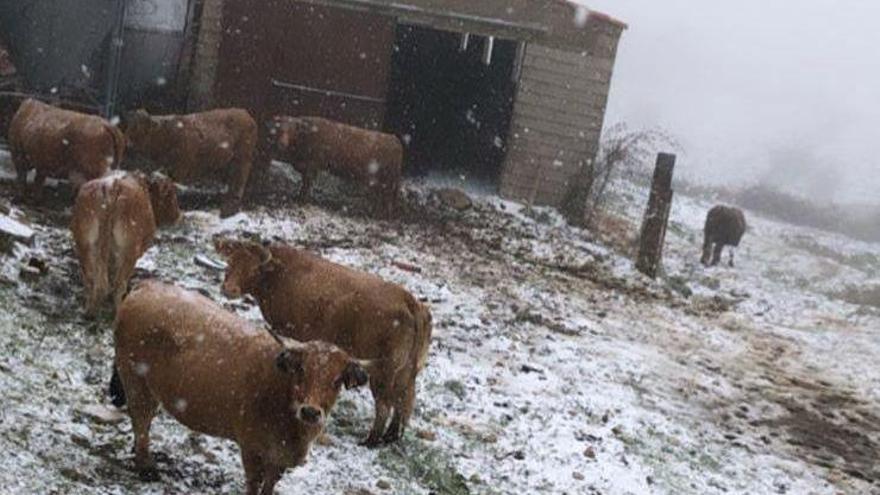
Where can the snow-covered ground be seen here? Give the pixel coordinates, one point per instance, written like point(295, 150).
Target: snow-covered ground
point(555, 367)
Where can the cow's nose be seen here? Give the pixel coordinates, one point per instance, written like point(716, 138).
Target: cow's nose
point(230, 292)
point(310, 414)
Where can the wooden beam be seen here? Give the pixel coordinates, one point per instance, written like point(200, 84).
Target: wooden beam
point(653, 232)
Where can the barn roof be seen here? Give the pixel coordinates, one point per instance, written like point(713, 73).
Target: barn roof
point(519, 19)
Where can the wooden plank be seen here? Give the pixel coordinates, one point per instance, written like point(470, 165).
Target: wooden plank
point(540, 124)
point(589, 74)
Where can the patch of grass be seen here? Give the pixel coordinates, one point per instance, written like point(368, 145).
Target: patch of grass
point(456, 387)
point(428, 466)
point(860, 296)
point(679, 284)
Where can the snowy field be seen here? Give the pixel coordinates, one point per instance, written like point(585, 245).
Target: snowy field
point(555, 368)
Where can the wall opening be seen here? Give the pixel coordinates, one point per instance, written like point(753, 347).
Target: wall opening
point(451, 108)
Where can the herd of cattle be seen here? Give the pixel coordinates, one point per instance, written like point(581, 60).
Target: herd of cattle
point(269, 390)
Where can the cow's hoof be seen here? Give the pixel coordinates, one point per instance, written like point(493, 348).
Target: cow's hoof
point(148, 475)
point(229, 209)
point(391, 436)
point(371, 442)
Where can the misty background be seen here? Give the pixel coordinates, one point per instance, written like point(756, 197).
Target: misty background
point(782, 93)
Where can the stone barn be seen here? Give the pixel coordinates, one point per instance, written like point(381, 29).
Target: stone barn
point(511, 93)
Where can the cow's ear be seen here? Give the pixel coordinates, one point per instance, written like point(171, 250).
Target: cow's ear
point(225, 246)
point(354, 375)
point(289, 361)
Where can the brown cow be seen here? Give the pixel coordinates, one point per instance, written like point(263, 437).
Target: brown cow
point(199, 145)
point(306, 297)
point(114, 220)
point(371, 158)
point(61, 144)
point(220, 375)
point(725, 226)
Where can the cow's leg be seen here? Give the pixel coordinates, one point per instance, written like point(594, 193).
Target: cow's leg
point(238, 177)
point(271, 475)
point(309, 174)
point(403, 408)
point(21, 172)
point(383, 409)
point(142, 407)
point(730, 251)
point(94, 275)
point(36, 192)
point(716, 253)
point(707, 249)
point(93, 266)
point(253, 471)
point(125, 255)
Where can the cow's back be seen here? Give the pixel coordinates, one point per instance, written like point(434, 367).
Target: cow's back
point(169, 333)
point(725, 224)
point(316, 299)
point(353, 152)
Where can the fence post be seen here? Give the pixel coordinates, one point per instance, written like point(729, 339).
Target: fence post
point(653, 231)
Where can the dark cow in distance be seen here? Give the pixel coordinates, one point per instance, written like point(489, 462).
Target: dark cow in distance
point(370, 158)
point(222, 376)
point(306, 297)
point(61, 144)
point(217, 144)
point(725, 226)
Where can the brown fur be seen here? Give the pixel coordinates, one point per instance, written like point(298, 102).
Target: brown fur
point(216, 144)
point(114, 221)
point(725, 226)
point(61, 144)
point(309, 298)
point(220, 375)
point(370, 158)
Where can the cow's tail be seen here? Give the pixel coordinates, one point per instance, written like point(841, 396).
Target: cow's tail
point(422, 337)
point(105, 217)
point(118, 144)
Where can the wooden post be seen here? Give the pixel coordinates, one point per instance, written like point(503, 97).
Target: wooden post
point(653, 232)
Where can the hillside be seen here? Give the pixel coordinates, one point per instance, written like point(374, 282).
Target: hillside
point(555, 367)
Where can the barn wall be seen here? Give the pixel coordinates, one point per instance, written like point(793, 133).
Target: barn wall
point(206, 59)
point(558, 116)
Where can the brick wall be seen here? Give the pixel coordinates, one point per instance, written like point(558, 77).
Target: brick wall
point(201, 91)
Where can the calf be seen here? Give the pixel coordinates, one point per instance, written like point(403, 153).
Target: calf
point(218, 142)
point(61, 144)
point(114, 220)
point(309, 298)
point(371, 158)
point(725, 226)
point(220, 375)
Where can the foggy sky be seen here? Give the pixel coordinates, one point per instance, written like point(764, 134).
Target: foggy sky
point(786, 92)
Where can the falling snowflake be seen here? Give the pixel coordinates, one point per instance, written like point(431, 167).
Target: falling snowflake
point(114, 120)
point(141, 368)
point(224, 145)
point(161, 81)
point(65, 142)
point(180, 405)
point(373, 167)
point(580, 16)
point(179, 124)
point(407, 139)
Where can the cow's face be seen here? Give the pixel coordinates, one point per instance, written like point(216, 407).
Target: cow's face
point(246, 263)
point(317, 372)
point(286, 132)
point(139, 129)
point(163, 199)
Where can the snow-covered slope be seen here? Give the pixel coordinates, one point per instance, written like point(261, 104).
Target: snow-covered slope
point(555, 367)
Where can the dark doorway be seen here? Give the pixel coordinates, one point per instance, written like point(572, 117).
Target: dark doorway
point(452, 110)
